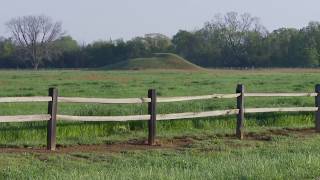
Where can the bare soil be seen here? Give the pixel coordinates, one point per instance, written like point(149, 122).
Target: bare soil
point(176, 143)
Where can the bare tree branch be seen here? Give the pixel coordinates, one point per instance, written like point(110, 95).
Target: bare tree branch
point(35, 34)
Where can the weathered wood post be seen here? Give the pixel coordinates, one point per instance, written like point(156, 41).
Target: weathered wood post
point(52, 110)
point(153, 116)
point(240, 115)
point(317, 102)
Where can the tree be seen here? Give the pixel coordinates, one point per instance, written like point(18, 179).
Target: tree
point(282, 45)
point(138, 47)
point(66, 43)
point(100, 53)
point(234, 30)
point(199, 47)
point(64, 52)
point(184, 43)
point(157, 42)
point(310, 40)
point(6, 47)
point(7, 53)
point(34, 35)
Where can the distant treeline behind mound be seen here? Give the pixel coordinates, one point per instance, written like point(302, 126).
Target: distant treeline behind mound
point(231, 40)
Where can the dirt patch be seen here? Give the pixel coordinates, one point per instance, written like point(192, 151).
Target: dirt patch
point(131, 145)
point(258, 136)
point(176, 143)
point(301, 132)
point(267, 135)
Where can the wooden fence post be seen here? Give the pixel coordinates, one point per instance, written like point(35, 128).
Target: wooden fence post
point(317, 103)
point(153, 116)
point(240, 115)
point(52, 110)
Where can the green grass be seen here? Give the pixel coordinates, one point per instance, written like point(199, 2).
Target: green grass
point(212, 157)
point(282, 158)
point(135, 84)
point(157, 61)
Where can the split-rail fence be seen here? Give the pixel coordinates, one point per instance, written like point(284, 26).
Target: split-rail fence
point(152, 117)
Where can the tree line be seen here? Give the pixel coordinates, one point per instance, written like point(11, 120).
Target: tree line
point(229, 40)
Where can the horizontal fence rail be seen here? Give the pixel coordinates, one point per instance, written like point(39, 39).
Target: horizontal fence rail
point(185, 115)
point(188, 115)
point(282, 109)
point(146, 100)
point(142, 100)
point(104, 100)
point(152, 117)
point(25, 118)
point(25, 99)
point(190, 98)
point(104, 118)
point(280, 94)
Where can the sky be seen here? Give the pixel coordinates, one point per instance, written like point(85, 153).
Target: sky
point(91, 20)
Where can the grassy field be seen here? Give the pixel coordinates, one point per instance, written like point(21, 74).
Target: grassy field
point(202, 148)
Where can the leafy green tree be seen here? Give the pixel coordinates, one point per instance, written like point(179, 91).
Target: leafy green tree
point(157, 42)
point(6, 47)
point(138, 47)
point(310, 57)
point(279, 47)
point(233, 31)
point(7, 54)
point(100, 53)
point(64, 53)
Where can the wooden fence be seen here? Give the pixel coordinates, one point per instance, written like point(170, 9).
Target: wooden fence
point(152, 117)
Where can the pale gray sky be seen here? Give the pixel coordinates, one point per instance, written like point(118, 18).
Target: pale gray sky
point(89, 20)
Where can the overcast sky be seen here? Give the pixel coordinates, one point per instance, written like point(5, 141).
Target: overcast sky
point(89, 20)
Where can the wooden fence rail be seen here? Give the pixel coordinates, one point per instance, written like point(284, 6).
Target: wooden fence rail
point(152, 117)
point(280, 94)
point(25, 118)
point(282, 109)
point(25, 99)
point(104, 100)
point(104, 118)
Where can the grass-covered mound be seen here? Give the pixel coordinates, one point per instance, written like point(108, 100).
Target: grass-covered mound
point(157, 61)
